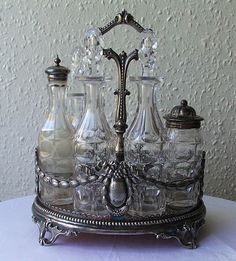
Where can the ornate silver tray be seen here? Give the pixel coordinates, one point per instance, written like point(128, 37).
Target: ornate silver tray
point(61, 221)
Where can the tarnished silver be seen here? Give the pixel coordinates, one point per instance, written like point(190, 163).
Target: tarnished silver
point(57, 72)
point(118, 180)
point(183, 116)
point(115, 170)
point(46, 226)
point(64, 221)
point(122, 62)
point(122, 18)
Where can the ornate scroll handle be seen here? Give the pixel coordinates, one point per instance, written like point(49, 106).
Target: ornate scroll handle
point(122, 62)
point(122, 18)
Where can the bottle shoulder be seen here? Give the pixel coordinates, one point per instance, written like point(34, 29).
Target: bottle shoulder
point(93, 128)
point(144, 128)
point(57, 123)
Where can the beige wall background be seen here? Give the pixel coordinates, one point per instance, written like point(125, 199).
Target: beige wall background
point(196, 57)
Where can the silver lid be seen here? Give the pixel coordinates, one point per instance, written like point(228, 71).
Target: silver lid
point(57, 72)
point(183, 117)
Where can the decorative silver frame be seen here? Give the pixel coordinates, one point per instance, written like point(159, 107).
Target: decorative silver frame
point(54, 221)
point(58, 221)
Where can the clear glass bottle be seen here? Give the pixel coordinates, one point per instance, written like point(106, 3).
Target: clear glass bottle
point(55, 143)
point(94, 138)
point(93, 143)
point(183, 153)
point(144, 143)
point(144, 139)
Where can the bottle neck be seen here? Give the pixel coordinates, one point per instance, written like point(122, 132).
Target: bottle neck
point(94, 124)
point(75, 108)
point(57, 98)
point(145, 96)
point(93, 96)
point(56, 119)
point(148, 104)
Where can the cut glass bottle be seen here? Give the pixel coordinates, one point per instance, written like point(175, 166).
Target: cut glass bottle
point(55, 143)
point(183, 155)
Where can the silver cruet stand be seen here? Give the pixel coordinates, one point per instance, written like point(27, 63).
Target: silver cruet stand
point(118, 180)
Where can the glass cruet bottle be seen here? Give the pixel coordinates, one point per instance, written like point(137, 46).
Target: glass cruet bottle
point(144, 144)
point(93, 144)
point(94, 137)
point(55, 143)
point(94, 132)
point(144, 139)
point(183, 154)
point(146, 128)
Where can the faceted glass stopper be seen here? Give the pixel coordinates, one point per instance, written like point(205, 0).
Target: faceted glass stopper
point(87, 60)
point(93, 38)
point(147, 52)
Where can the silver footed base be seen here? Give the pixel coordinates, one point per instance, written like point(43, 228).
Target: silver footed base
point(53, 223)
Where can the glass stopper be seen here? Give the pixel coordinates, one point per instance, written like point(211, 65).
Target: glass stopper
point(147, 52)
point(90, 64)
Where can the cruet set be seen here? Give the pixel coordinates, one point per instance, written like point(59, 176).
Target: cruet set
point(117, 179)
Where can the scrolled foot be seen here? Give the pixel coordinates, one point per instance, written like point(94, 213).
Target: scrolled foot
point(48, 232)
point(186, 235)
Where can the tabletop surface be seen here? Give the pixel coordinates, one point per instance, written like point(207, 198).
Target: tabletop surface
point(19, 239)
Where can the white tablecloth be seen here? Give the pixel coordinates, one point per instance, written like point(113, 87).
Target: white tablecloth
point(19, 239)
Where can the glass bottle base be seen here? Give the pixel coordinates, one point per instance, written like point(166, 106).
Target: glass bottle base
point(56, 196)
point(88, 199)
point(183, 197)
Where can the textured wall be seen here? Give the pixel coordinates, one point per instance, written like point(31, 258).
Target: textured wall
point(197, 42)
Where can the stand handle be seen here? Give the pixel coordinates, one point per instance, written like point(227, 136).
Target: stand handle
point(122, 61)
point(122, 18)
